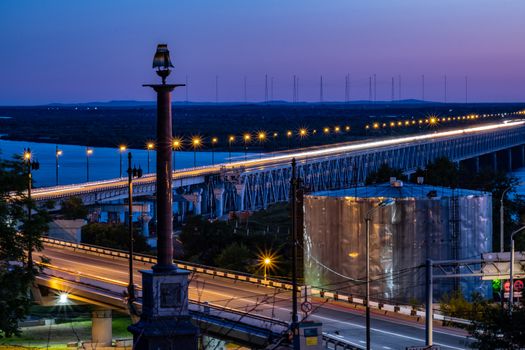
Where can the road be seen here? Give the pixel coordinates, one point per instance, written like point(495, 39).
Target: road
point(388, 332)
point(271, 160)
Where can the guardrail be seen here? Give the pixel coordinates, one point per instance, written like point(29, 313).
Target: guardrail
point(215, 271)
point(337, 342)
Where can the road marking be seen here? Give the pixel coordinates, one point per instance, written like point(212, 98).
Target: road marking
point(386, 332)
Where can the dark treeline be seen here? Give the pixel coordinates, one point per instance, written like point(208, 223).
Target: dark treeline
point(135, 126)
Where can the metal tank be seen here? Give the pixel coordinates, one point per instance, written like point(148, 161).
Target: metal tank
point(424, 222)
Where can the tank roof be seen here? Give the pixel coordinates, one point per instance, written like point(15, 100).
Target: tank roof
point(406, 190)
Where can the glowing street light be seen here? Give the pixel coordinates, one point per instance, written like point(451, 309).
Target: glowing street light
point(196, 142)
point(246, 137)
point(122, 149)
point(176, 144)
point(63, 298)
point(32, 164)
point(326, 130)
point(89, 152)
point(149, 146)
point(267, 262)
point(214, 141)
point(337, 129)
point(58, 153)
point(231, 139)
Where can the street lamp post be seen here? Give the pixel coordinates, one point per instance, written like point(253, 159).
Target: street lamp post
point(261, 136)
point(511, 272)
point(368, 218)
point(132, 173)
point(231, 139)
point(196, 143)
point(31, 165)
point(502, 217)
point(58, 153)
point(177, 145)
point(246, 138)
point(214, 140)
point(89, 152)
point(267, 262)
point(149, 147)
point(122, 149)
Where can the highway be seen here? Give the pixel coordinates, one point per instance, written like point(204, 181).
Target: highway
point(388, 331)
point(271, 160)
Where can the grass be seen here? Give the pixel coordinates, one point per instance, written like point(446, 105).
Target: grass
point(60, 334)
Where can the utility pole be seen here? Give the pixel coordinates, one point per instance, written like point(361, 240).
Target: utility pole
point(466, 89)
point(423, 87)
point(293, 203)
point(245, 94)
point(375, 88)
point(392, 98)
point(428, 314)
point(321, 89)
point(445, 88)
point(266, 88)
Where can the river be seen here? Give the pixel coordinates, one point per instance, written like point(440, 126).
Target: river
point(104, 163)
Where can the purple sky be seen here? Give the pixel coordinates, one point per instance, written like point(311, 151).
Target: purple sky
point(99, 50)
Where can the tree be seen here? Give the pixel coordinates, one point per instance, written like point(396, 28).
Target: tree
point(235, 256)
point(384, 173)
point(495, 328)
point(73, 208)
point(17, 234)
point(113, 236)
point(440, 172)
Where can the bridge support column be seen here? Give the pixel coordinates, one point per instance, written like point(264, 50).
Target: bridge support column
point(522, 155)
point(239, 200)
point(218, 193)
point(471, 164)
point(145, 218)
point(197, 203)
point(101, 331)
point(509, 159)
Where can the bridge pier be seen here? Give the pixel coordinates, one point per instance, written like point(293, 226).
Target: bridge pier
point(471, 164)
point(101, 327)
point(489, 161)
point(218, 194)
point(239, 198)
point(505, 159)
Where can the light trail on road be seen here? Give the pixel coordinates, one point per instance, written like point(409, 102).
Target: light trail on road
point(387, 331)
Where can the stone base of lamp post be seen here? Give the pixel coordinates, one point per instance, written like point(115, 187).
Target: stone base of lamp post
point(165, 322)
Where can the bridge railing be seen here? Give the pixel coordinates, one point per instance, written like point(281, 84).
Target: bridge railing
point(275, 283)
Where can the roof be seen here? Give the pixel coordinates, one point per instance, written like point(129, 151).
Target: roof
point(408, 190)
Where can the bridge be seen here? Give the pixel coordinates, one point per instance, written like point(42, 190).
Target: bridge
point(255, 183)
point(238, 307)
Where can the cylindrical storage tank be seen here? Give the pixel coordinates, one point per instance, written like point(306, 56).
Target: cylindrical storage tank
point(423, 222)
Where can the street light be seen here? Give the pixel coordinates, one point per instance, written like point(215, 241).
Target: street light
point(149, 147)
point(368, 217)
point(132, 173)
point(31, 165)
point(196, 142)
point(303, 133)
point(89, 152)
point(511, 279)
point(231, 140)
point(246, 137)
point(214, 141)
point(58, 153)
point(501, 216)
point(122, 149)
point(176, 145)
point(261, 136)
point(289, 135)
